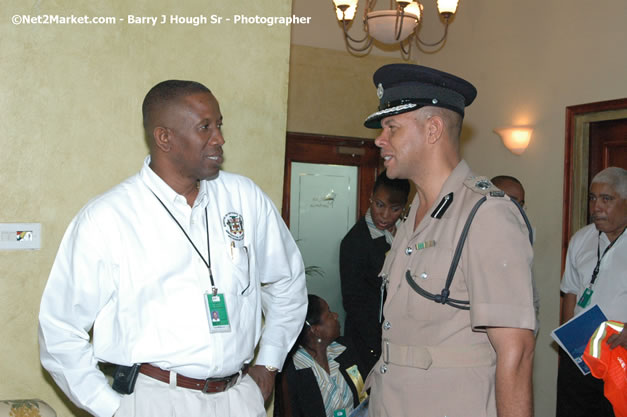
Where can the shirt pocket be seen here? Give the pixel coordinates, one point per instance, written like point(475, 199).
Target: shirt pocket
point(429, 269)
point(232, 274)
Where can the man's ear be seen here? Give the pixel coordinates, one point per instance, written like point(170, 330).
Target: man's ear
point(161, 136)
point(435, 128)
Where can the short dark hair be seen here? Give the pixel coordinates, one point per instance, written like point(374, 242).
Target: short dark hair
point(501, 178)
point(398, 187)
point(313, 317)
point(165, 93)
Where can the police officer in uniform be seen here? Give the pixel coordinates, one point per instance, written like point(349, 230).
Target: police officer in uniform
point(458, 335)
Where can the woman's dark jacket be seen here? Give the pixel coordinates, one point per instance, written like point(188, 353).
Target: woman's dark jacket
point(300, 387)
point(361, 260)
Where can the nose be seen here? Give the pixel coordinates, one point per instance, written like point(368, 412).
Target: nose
point(381, 139)
point(217, 138)
point(387, 213)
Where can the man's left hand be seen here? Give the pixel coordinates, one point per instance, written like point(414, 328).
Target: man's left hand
point(619, 339)
point(264, 379)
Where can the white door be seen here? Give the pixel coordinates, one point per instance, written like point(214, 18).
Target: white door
point(323, 200)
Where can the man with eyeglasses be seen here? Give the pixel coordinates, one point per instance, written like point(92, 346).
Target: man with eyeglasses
point(595, 273)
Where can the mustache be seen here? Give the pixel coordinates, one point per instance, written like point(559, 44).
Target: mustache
point(595, 218)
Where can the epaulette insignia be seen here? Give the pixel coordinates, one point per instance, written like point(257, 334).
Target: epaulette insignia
point(498, 193)
point(482, 185)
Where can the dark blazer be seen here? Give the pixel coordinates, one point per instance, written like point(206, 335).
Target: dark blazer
point(300, 388)
point(361, 260)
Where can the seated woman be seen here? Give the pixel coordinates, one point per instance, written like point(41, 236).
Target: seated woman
point(320, 377)
point(362, 253)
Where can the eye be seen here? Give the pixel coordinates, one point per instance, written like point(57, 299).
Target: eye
point(607, 198)
point(592, 197)
point(379, 204)
point(396, 209)
point(205, 126)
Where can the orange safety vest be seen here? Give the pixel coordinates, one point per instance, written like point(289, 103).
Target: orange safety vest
point(609, 365)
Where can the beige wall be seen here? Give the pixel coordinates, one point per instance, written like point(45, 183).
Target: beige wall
point(529, 60)
point(71, 127)
point(331, 92)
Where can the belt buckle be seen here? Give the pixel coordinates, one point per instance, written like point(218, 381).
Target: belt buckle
point(205, 387)
point(227, 384)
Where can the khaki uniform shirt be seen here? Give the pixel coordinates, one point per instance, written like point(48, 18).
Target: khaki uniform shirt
point(437, 360)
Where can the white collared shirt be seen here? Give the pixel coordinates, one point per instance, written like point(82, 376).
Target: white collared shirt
point(610, 287)
point(126, 267)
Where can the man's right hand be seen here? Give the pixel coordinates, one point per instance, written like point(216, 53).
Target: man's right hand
point(619, 339)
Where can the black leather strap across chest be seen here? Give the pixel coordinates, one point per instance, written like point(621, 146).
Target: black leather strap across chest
point(444, 296)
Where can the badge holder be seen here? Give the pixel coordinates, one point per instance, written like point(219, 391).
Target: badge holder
point(585, 298)
point(217, 313)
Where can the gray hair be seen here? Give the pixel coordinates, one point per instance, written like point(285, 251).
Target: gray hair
point(615, 177)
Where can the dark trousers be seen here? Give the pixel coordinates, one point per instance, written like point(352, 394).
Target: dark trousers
point(579, 395)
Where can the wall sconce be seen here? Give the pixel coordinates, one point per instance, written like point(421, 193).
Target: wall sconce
point(515, 138)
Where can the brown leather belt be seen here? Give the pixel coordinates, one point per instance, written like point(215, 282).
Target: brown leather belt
point(204, 385)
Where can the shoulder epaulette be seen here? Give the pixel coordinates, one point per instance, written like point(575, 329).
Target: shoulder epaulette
point(483, 186)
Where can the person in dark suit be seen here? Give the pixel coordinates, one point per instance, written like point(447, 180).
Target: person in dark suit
point(362, 253)
point(321, 377)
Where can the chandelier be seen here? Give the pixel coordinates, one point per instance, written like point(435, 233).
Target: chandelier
point(397, 25)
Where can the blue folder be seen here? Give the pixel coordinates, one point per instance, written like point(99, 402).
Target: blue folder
point(573, 335)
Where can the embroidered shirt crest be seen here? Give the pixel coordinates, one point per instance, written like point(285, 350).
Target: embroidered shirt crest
point(234, 225)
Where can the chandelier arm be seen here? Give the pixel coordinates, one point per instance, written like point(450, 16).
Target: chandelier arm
point(400, 15)
point(405, 54)
point(347, 36)
point(358, 52)
point(446, 22)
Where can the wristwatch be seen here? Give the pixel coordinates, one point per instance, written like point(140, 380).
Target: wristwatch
point(271, 368)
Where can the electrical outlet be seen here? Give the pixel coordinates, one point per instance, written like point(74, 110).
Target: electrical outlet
point(19, 236)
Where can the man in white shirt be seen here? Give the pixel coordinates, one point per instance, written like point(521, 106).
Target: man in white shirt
point(150, 264)
point(595, 274)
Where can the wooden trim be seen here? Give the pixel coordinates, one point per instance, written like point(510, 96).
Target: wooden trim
point(338, 150)
point(575, 165)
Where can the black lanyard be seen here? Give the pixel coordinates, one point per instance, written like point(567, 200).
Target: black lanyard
point(595, 273)
point(207, 262)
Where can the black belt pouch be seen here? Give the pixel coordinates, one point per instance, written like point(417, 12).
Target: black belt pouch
point(124, 378)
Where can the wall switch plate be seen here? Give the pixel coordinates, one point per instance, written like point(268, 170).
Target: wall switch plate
point(19, 236)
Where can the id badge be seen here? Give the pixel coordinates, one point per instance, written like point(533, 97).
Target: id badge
point(585, 298)
point(217, 313)
point(340, 413)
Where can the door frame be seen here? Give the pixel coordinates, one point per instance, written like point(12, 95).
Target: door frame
point(577, 147)
point(337, 150)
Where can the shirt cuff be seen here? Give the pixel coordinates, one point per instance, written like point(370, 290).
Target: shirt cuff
point(105, 403)
point(271, 356)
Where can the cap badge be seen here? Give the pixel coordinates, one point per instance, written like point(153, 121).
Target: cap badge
point(434, 101)
point(380, 91)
